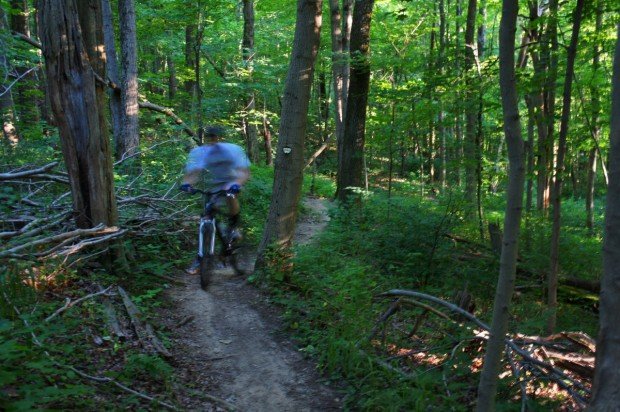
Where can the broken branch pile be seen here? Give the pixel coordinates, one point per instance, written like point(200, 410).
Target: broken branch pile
point(563, 362)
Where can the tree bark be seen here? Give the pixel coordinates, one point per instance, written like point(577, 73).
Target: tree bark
point(487, 387)
point(247, 48)
point(289, 163)
point(552, 279)
point(267, 137)
point(74, 100)
point(172, 78)
point(338, 66)
point(470, 146)
point(112, 71)
point(351, 151)
point(596, 110)
point(605, 394)
point(129, 141)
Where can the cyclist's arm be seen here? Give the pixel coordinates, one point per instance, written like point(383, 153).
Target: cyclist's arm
point(191, 177)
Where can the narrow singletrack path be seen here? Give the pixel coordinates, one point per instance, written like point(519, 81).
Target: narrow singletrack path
point(234, 349)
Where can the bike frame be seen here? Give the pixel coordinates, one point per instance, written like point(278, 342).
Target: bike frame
point(208, 223)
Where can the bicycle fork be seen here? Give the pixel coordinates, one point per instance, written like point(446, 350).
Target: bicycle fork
point(206, 225)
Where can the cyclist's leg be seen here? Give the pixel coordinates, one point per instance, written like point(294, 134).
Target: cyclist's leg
point(234, 217)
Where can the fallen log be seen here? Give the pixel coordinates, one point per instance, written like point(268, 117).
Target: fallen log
point(144, 330)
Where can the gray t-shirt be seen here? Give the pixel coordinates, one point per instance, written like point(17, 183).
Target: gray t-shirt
point(221, 161)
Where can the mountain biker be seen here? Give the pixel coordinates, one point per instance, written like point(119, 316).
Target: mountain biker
point(227, 168)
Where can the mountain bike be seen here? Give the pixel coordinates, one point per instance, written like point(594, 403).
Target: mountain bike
point(211, 229)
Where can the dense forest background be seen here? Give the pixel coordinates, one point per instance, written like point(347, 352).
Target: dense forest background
point(452, 152)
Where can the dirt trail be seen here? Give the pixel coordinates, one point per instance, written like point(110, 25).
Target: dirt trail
point(234, 349)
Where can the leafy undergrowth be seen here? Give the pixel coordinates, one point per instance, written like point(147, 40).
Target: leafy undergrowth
point(405, 356)
point(45, 358)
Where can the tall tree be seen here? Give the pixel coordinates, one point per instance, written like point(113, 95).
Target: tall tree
point(596, 109)
point(129, 140)
point(471, 106)
point(487, 388)
point(339, 65)
point(74, 100)
point(351, 149)
point(6, 96)
point(112, 71)
point(556, 192)
point(605, 394)
point(247, 50)
point(27, 112)
point(289, 163)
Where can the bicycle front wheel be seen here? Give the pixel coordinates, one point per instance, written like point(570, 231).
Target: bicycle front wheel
point(207, 266)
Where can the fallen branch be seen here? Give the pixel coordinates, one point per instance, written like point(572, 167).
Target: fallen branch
point(144, 331)
point(125, 156)
point(70, 303)
point(562, 377)
point(168, 112)
point(26, 173)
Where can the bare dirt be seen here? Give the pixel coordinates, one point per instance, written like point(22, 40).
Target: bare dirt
point(231, 346)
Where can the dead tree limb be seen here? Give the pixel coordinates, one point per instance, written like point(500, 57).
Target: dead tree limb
point(99, 229)
point(527, 357)
point(70, 303)
point(144, 330)
point(26, 173)
point(170, 113)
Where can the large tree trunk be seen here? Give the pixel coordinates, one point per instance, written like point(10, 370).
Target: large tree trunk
point(605, 394)
point(487, 387)
point(280, 225)
point(552, 279)
point(247, 48)
point(74, 100)
point(129, 141)
point(112, 71)
point(351, 151)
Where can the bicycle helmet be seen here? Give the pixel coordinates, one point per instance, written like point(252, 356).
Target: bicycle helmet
point(215, 131)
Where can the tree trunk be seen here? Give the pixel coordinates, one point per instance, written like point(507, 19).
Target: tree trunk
point(112, 71)
point(351, 151)
point(487, 387)
point(190, 45)
point(338, 66)
point(347, 24)
point(267, 137)
point(129, 141)
point(6, 99)
point(280, 225)
point(172, 78)
point(470, 147)
point(529, 155)
point(26, 111)
point(74, 100)
point(552, 279)
point(442, 175)
point(605, 394)
point(596, 110)
point(247, 48)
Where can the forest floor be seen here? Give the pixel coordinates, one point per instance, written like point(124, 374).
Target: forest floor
point(231, 345)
